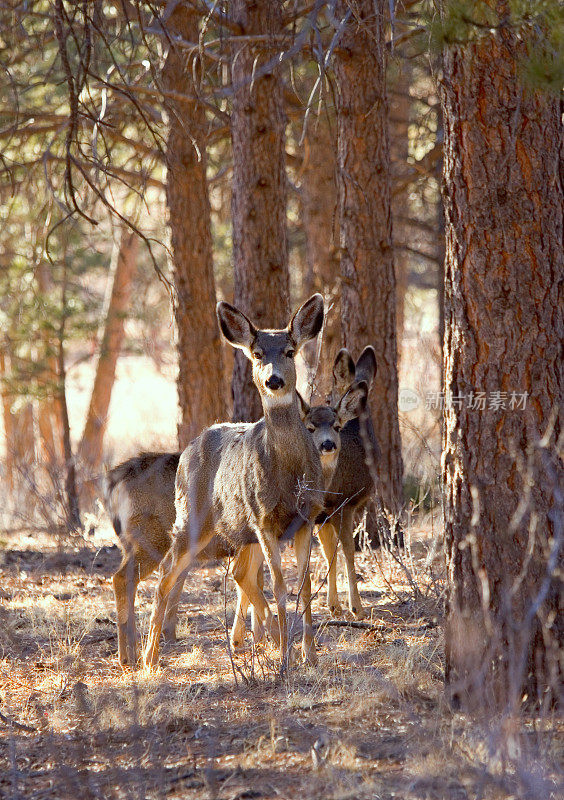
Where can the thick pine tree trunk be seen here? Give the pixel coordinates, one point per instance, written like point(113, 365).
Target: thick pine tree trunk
point(200, 362)
point(117, 306)
point(367, 268)
point(504, 330)
point(260, 248)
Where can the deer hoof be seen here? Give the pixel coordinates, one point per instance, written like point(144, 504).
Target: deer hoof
point(169, 635)
point(336, 610)
point(359, 612)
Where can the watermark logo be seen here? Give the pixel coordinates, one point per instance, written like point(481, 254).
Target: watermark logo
point(477, 401)
point(408, 400)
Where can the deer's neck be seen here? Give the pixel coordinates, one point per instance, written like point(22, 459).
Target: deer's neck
point(285, 432)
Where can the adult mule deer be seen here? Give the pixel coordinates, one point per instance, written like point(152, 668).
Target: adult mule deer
point(325, 424)
point(139, 499)
point(251, 481)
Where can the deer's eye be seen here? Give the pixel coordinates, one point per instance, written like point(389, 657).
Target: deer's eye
point(337, 427)
point(311, 428)
point(290, 353)
point(257, 354)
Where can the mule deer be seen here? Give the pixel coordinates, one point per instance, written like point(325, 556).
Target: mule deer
point(352, 483)
point(251, 481)
point(325, 424)
point(139, 499)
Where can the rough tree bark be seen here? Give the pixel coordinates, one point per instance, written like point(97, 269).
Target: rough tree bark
point(504, 329)
point(260, 248)
point(367, 269)
point(201, 392)
point(117, 305)
point(319, 211)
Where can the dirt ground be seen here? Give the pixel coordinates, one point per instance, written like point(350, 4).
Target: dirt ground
point(369, 722)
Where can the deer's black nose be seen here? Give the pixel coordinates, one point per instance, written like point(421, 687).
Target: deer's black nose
point(328, 445)
point(274, 382)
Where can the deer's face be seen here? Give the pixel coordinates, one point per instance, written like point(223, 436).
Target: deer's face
point(272, 352)
point(274, 369)
point(326, 422)
point(325, 427)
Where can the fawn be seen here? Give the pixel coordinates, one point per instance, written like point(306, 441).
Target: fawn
point(352, 484)
point(251, 481)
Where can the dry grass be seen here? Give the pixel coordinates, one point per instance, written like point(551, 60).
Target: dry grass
point(369, 722)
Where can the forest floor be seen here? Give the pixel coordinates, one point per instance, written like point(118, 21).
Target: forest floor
point(370, 721)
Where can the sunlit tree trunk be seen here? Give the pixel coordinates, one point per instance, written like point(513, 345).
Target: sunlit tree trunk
point(260, 247)
point(118, 297)
point(367, 269)
point(49, 421)
point(201, 393)
point(8, 423)
point(504, 328)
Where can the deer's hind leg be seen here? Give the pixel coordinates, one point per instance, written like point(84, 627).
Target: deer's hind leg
point(171, 614)
point(175, 564)
point(347, 541)
point(329, 542)
point(133, 569)
point(248, 574)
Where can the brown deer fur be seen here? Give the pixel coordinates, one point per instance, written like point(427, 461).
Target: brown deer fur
point(246, 481)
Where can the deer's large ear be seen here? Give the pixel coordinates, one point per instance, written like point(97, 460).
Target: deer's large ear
point(366, 366)
point(303, 405)
point(343, 371)
point(234, 325)
point(307, 321)
point(352, 403)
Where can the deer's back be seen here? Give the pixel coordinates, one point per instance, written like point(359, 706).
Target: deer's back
point(139, 497)
point(235, 483)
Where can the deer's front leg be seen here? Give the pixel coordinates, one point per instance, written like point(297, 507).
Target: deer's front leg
point(302, 546)
point(271, 549)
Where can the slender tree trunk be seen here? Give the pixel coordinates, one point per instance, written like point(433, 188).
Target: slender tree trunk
point(72, 509)
point(367, 268)
point(504, 329)
point(399, 150)
point(118, 297)
point(49, 421)
point(319, 210)
point(8, 424)
point(201, 392)
point(260, 247)
point(440, 244)
point(72, 503)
